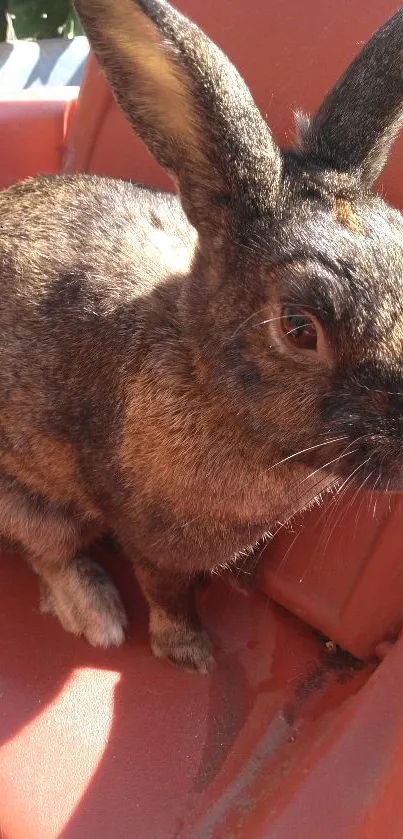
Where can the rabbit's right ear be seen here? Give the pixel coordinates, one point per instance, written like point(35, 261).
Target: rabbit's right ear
point(189, 105)
point(359, 119)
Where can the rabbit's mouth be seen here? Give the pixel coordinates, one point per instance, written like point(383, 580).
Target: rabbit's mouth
point(373, 472)
point(365, 407)
point(366, 462)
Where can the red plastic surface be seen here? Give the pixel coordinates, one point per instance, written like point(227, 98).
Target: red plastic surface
point(115, 744)
point(340, 568)
point(33, 132)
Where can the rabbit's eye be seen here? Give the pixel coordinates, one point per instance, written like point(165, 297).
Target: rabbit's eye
point(299, 328)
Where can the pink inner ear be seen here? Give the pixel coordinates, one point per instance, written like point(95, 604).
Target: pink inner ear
point(302, 128)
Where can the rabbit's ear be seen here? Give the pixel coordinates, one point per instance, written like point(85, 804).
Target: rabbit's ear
point(359, 119)
point(188, 104)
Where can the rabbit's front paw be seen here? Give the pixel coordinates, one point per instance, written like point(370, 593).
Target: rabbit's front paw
point(180, 643)
point(86, 602)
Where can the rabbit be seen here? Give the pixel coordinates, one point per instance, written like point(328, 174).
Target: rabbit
point(187, 371)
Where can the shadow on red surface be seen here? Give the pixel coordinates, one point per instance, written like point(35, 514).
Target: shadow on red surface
point(181, 754)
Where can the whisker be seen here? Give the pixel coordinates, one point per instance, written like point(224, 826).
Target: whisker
point(308, 449)
point(247, 320)
point(286, 521)
point(353, 473)
point(360, 488)
point(325, 465)
point(337, 518)
point(275, 465)
point(336, 500)
point(287, 553)
point(357, 515)
point(329, 516)
point(345, 510)
point(387, 494)
point(263, 322)
point(330, 510)
point(374, 495)
point(377, 390)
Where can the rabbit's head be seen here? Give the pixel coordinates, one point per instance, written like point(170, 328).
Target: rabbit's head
point(293, 310)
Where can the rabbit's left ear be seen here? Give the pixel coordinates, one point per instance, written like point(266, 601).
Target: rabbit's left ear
point(359, 119)
point(188, 104)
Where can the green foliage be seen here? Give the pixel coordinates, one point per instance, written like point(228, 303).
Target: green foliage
point(37, 19)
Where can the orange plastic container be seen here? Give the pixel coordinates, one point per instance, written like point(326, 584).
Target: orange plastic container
point(33, 132)
point(290, 737)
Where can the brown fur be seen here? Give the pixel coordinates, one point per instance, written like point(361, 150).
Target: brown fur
point(175, 631)
point(345, 215)
point(147, 387)
point(131, 35)
point(48, 467)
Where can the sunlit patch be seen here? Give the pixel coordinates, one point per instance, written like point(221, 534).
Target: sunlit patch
point(392, 345)
point(49, 764)
point(167, 253)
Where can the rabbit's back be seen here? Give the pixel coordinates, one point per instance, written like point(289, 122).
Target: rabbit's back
point(85, 263)
point(118, 238)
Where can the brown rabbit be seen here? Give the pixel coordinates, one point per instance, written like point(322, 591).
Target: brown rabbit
point(188, 373)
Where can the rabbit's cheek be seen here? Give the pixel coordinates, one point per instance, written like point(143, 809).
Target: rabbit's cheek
point(250, 378)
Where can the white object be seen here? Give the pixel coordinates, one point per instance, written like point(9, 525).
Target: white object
point(37, 64)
